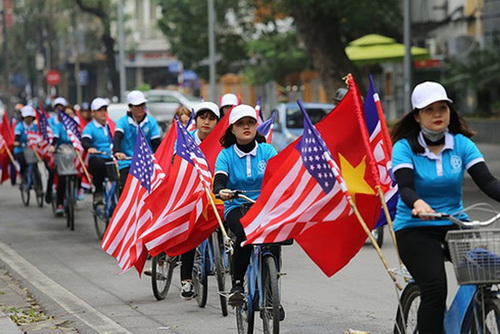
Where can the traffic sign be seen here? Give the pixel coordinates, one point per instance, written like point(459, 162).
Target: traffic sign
point(53, 77)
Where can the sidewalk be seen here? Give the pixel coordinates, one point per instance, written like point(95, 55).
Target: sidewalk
point(18, 303)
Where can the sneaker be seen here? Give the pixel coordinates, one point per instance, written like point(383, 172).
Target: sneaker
point(236, 295)
point(80, 196)
point(187, 290)
point(98, 198)
point(60, 210)
point(148, 272)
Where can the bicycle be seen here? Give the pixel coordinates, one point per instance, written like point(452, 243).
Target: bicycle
point(476, 305)
point(162, 269)
point(65, 157)
point(210, 260)
point(32, 179)
point(102, 212)
point(262, 290)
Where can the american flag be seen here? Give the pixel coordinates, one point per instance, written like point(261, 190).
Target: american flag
point(191, 124)
point(266, 128)
point(381, 147)
point(307, 190)
point(131, 216)
point(258, 108)
point(37, 143)
point(47, 135)
point(176, 215)
point(73, 131)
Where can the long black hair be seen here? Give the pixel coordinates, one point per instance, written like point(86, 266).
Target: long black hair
point(228, 138)
point(409, 128)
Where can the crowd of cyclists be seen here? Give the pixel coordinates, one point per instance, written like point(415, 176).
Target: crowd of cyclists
point(431, 153)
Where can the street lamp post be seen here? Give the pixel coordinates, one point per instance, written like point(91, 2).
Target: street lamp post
point(211, 50)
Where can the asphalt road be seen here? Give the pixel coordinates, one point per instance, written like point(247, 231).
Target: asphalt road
point(72, 277)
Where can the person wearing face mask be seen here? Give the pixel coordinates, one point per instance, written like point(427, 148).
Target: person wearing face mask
point(26, 125)
point(431, 152)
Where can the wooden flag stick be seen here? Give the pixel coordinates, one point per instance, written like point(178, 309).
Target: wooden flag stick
point(374, 243)
point(219, 219)
point(389, 221)
point(83, 166)
point(11, 157)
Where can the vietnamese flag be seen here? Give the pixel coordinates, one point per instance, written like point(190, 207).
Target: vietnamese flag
point(7, 144)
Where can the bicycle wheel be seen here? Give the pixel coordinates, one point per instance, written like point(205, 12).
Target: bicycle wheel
point(38, 187)
point(25, 193)
point(70, 202)
point(270, 313)
point(245, 315)
point(200, 281)
point(162, 269)
point(100, 219)
point(378, 234)
point(220, 271)
point(406, 316)
point(489, 317)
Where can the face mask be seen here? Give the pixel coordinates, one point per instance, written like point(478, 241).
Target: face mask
point(433, 136)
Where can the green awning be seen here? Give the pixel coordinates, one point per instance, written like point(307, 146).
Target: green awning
point(374, 49)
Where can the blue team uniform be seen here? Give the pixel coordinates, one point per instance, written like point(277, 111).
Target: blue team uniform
point(59, 131)
point(437, 178)
point(245, 171)
point(128, 127)
point(21, 130)
point(100, 137)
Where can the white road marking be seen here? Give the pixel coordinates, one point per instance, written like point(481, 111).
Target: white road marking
point(68, 301)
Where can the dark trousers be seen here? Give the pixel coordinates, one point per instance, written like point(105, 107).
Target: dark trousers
point(423, 252)
point(97, 167)
point(123, 176)
point(22, 163)
point(241, 255)
point(187, 260)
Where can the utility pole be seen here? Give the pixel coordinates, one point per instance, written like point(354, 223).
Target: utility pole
point(407, 70)
point(5, 46)
point(211, 50)
point(121, 50)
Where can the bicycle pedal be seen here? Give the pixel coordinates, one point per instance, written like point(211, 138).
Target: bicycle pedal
point(281, 274)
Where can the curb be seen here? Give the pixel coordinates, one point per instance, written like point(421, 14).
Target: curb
point(7, 326)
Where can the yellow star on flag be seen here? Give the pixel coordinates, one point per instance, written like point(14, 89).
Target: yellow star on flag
point(354, 177)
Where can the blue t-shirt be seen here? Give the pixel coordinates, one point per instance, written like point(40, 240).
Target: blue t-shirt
point(128, 127)
point(437, 178)
point(100, 137)
point(59, 131)
point(245, 171)
point(22, 129)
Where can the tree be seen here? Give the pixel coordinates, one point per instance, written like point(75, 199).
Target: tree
point(326, 27)
point(102, 9)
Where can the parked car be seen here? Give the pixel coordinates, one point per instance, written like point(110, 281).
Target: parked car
point(162, 104)
point(289, 123)
point(117, 111)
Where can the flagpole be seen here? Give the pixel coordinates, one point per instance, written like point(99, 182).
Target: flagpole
point(14, 162)
point(219, 220)
point(83, 166)
point(374, 243)
point(389, 221)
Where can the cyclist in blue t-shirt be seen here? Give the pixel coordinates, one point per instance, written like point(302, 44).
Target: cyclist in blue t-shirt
point(240, 166)
point(126, 132)
point(97, 140)
point(21, 135)
point(431, 152)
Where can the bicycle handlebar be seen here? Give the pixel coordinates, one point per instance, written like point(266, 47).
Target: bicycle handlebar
point(455, 220)
point(239, 194)
point(111, 156)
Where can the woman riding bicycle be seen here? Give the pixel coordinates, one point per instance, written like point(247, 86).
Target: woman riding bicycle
point(206, 118)
point(97, 140)
point(431, 152)
point(240, 166)
point(21, 136)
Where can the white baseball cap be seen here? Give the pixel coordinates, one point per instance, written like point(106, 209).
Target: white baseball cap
point(136, 97)
point(60, 100)
point(427, 93)
point(27, 111)
point(243, 110)
point(207, 106)
point(228, 100)
point(98, 103)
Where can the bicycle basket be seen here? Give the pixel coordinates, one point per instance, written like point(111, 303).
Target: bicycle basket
point(30, 156)
point(65, 160)
point(475, 255)
point(112, 171)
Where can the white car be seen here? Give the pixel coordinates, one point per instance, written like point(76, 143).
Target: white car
point(289, 121)
point(117, 111)
point(162, 104)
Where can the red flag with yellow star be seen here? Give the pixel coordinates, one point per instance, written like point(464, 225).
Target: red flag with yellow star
point(331, 245)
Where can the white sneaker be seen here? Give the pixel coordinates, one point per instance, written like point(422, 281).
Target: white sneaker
point(187, 290)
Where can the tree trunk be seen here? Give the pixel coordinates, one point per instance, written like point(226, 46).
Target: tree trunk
point(321, 35)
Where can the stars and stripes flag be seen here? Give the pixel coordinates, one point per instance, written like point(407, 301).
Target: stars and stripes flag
point(306, 191)
point(176, 215)
point(46, 138)
point(258, 108)
point(191, 124)
point(266, 128)
point(37, 143)
point(381, 146)
point(74, 135)
point(131, 216)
